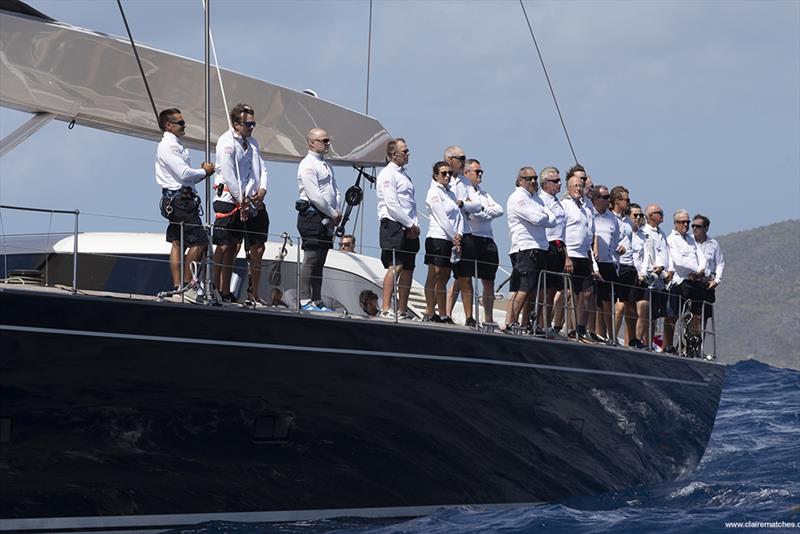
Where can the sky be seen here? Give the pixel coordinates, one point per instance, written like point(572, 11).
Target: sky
point(692, 105)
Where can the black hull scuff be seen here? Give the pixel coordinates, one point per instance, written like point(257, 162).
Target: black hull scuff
point(123, 409)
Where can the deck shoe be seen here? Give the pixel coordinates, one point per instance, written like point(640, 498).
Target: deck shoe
point(509, 328)
point(595, 337)
point(388, 314)
point(553, 333)
point(470, 322)
point(405, 316)
point(229, 298)
point(431, 318)
point(447, 320)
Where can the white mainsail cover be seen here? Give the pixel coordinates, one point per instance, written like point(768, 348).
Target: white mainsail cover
point(93, 79)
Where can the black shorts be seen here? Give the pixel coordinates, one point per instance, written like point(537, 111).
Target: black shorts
point(529, 265)
point(554, 261)
point(581, 274)
point(487, 257)
point(437, 252)
point(314, 235)
point(603, 289)
point(466, 267)
point(231, 230)
point(185, 208)
point(514, 281)
point(395, 246)
point(688, 289)
point(626, 289)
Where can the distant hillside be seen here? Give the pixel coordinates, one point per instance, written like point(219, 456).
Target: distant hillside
point(758, 302)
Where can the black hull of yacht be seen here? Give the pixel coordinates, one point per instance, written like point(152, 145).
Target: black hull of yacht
point(121, 414)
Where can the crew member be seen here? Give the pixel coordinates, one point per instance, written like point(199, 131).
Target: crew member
point(606, 251)
point(556, 259)
point(442, 240)
point(625, 294)
point(469, 203)
point(641, 294)
point(659, 273)
point(715, 262)
point(318, 214)
point(179, 200)
point(527, 220)
point(487, 257)
point(241, 185)
point(399, 228)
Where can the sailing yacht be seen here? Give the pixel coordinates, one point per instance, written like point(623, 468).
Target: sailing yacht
point(120, 411)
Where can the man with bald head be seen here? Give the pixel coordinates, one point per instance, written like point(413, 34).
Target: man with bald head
point(469, 202)
point(318, 213)
point(657, 251)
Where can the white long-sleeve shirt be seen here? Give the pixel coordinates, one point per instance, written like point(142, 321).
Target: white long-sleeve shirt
point(172, 165)
point(395, 192)
point(579, 228)
point(657, 247)
point(625, 239)
point(559, 231)
point(641, 260)
point(686, 256)
point(715, 263)
point(606, 231)
point(466, 193)
point(317, 184)
point(527, 220)
point(242, 171)
point(480, 222)
point(446, 219)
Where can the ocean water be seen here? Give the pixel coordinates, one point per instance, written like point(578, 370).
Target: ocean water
point(750, 474)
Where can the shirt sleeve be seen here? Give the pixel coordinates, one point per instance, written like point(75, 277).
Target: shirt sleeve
point(490, 209)
point(226, 159)
point(388, 187)
point(436, 205)
point(170, 157)
point(720, 261)
point(535, 213)
point(310, 180)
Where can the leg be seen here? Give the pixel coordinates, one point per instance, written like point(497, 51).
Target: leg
point(216, 259)
point(466, 294)
point(488, 300)
point(643, 321)
point(226, 268)
point(510, 317)
point(630, 322)
point(256, 253)
point(669, 332)
point(175, 262)
point(452, 296)
point(519, 303)
point(430, 290)
point(316, 274)
point(404, 289)
point(195, 253)
point(388, 287)
point(307, 272)
point(440, 284)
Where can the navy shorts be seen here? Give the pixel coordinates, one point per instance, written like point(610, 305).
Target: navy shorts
point(466, 267)
point(184, 207)
point(229, 229)
point(554, 261)
point(529, 265)
point(626, 289)
point(609, 273)
point(437, 252)
point(396, 246)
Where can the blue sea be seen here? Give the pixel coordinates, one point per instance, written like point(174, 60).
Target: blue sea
point(750, 475)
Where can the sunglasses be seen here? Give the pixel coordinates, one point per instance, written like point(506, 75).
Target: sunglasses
point(681, 222)
point(638, 215)
point(605, 197)
point(530, 178)
point(179, 123)
point(478, 172)
point(460, 158)
point(698, 226)
point(446, 173)
point(325, 141)
point(659, 212)
point(248, 124)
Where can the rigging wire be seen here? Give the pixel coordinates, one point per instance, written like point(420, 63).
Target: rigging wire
point(550, 85)
point(138, 61)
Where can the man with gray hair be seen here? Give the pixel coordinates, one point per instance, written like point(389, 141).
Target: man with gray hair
point(467, 199)
point(556, 259)
point(689, 265)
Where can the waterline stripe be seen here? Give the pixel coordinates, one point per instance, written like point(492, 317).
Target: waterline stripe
point(341, 351)
point(125, 523)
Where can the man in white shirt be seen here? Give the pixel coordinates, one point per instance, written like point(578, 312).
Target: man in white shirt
point(480, 223)
point(399, 228)
point(641, 294)
point(579, 223)
point(241, 185)
point(625, 290)
point(318, 213)
point(179, 201)
point(715, 262)
point(689, 265)
point(606, 251)
point(469, 204)
point(659, 273)
point(528, 218)
point(556, 259)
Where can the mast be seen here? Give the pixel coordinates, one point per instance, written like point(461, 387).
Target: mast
point(209, 254)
